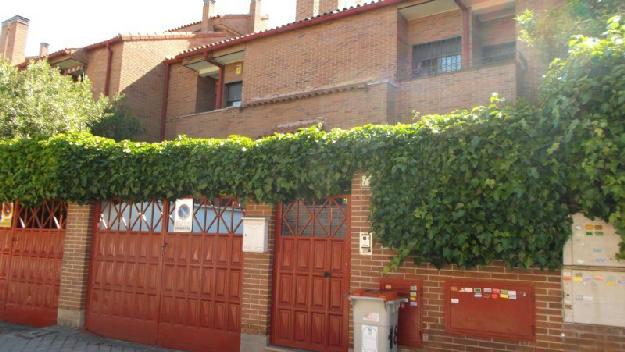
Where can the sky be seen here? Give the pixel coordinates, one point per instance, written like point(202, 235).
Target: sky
point(77, 23)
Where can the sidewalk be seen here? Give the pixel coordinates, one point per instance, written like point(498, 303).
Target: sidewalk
point(14, 338)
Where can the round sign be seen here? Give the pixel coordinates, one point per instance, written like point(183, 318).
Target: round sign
point(184, 212)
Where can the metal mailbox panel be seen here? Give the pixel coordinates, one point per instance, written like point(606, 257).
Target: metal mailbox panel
point(593, 243)
point(409, 328)
point(594, 297)
point(498, 309)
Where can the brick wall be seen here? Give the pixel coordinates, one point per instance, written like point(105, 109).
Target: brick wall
point(448, 92)
point(257, 273)
point(357, 48)
point(75, 266)
point(367, 270)
point(339, 110)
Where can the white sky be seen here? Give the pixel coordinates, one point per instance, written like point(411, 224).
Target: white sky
point(76, 23)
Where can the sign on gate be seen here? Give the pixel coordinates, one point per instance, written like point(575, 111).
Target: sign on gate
point(6, 215)
point(183, 215)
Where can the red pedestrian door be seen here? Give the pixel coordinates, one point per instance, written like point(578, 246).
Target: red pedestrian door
point(151, 285)
point(311, 289)
point(31, 253)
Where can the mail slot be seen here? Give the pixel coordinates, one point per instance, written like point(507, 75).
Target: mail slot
point(409, 328)
point(498, 309)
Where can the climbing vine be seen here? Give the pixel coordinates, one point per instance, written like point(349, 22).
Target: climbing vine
point(494, 183)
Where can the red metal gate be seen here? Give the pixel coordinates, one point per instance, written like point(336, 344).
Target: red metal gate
point(31, 253)
point(151, 285)
point(311, 289)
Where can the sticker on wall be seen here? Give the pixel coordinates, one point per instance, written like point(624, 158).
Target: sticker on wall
point(6, 214)
point(512, 294)
point(566, 276)
point(579, 277)
point(488, 290)
point(369, 335)
point(455, 301)
point(238, 68)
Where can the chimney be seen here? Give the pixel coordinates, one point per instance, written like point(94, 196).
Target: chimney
point(43, 49)
point(306, 8)
point(13, 39)
point(207, 14)
point(328, 5)
point(258, 22)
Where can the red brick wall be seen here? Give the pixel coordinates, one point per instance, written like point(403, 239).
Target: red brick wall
point(460, 90)
point(338, 110)
point(357, 48)
point(367, 270)
point(257, 273)
point(75, 266)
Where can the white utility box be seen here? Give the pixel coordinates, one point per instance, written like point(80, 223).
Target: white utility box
point(593, 243)
point(255, 235)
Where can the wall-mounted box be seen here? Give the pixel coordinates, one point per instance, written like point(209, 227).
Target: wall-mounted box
point(593, 243)
point(490, 309)
point(594, 297)
point(255, 235)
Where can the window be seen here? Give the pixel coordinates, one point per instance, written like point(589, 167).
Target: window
point(437, 57)
point(498, 53)
point(233, 94)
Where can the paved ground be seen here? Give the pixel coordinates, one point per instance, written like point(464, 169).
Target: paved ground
point(15, 338)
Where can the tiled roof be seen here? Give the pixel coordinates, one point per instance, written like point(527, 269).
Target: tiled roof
point(151, 36)
point(199, 22)
point(328, 16)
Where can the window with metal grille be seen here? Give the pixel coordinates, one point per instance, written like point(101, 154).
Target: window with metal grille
point(437, 57)
point(493, 54)
point(48, 215)
point(233, 94)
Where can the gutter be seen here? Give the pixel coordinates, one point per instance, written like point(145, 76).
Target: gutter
point(165, 99)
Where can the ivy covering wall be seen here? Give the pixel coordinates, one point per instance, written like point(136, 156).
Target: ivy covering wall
point(494, 183)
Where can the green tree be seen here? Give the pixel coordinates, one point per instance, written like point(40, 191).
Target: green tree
point(117, 122)
point(39, 102)
point(550, 32)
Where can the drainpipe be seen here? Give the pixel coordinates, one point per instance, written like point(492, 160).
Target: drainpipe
point(165, 99)
point(466, 33)
point(109, 65)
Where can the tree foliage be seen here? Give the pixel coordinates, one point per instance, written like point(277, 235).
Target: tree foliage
point(551, 30)
point(494, 183)
point(40, 102)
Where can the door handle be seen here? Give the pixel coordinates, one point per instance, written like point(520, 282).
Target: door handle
point(327, 274)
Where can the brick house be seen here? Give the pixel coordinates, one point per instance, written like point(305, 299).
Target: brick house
point(130, 65)
point(372, 63)
point(127, 273)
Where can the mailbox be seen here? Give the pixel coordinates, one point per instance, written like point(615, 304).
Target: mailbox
point(255, 235)
point(483, 308)
point(409, 328)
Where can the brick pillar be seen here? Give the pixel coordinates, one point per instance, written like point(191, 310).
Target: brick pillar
point(75, 267)
point(257, 290)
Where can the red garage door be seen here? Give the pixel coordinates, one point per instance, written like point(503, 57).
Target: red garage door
point(311, 308)
point(151, 285)
point(31, 252)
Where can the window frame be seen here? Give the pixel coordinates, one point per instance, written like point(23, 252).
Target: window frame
point(441, 56)
point(229, 103)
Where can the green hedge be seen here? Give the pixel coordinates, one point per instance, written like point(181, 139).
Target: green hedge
point(465, 188)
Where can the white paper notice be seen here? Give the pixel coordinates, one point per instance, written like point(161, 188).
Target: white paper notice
point(369, 338)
